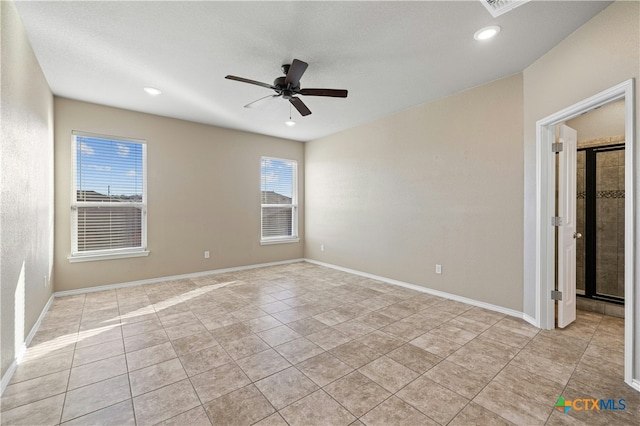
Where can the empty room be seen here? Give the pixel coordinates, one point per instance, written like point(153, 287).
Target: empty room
point(319, 213)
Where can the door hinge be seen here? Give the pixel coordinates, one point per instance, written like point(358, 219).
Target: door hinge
point(556, 221)
point(556, 147)
point(556, 295)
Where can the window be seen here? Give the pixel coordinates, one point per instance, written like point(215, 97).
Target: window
point(109, 200)
point(279, 193)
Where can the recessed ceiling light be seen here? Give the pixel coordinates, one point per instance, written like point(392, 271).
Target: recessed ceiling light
point(290, 123)
point(486, 32)
point(152, 91)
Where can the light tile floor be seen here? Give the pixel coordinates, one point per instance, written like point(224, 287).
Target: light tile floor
point(305, 345)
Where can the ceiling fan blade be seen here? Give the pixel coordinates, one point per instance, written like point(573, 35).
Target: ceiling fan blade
point(334, 93)
point(260, 101)
point(300, 106)
point(246, 80)
point(296, 70)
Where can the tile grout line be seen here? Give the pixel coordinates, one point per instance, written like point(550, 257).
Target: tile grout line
point(64, 402)
point(496, 375)
point(564, 389)
point(189, 377)
point(89, 384)
point(443, 359)
point(126, 361)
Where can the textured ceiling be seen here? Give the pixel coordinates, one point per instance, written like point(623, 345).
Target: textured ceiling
point(389, 55)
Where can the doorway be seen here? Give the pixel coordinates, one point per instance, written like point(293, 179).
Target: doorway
point(600, 209)
point(546, 223)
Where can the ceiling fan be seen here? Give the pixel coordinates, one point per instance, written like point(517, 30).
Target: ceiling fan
point(289, 86)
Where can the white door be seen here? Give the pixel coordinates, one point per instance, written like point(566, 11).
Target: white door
point(567, 230)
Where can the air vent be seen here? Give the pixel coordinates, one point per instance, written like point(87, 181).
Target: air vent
point(498, 7)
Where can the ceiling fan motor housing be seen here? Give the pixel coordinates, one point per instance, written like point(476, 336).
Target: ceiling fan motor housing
point(286, 92)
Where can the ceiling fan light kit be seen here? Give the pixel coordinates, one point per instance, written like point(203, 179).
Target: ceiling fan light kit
point(288, 87)
point(290, 122)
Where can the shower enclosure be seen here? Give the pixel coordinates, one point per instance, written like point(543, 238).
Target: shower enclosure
point(600, 219)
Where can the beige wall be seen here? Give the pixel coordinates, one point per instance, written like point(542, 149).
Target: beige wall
point(600, 54)
point(203, 194)
point(438, 183)
point(604, 122)
point(26, 179)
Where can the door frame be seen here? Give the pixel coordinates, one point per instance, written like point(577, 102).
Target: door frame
point(545, 210)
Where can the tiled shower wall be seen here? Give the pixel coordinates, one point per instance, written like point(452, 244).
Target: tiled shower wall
point(609, 222)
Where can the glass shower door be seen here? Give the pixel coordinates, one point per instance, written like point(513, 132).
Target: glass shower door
point(609, 193)
point(600, 219)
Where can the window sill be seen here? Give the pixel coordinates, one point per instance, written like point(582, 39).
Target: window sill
point(279, 241)
point(106, 256)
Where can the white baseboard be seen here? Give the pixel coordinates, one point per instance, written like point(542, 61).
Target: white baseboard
point(171, 278)
point(19, 352)
point(35, 327)
point(473, 302)
point(531, 320)
point(8, 375)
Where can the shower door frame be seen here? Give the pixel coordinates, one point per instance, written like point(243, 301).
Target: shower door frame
point(590, 221)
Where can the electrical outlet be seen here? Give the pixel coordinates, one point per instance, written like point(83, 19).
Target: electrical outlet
point(321, 247)
point(438, 269)
point(207, 255)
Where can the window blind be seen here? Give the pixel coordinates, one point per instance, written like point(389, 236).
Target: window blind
point(278, 182)
point(109, 209)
